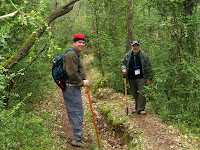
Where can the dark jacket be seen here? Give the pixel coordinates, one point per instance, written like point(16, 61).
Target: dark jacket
point(73, 66)
point(146, 64)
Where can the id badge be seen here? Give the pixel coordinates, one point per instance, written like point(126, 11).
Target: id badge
point(137, 71)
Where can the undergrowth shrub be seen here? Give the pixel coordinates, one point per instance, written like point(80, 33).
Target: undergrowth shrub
point(21, 126)
point(174, 93)
point(102, 82)
point(113, 113)
point(22, 130)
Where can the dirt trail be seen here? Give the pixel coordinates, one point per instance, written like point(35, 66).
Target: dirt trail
point(157, 136)
point(153, 134)
point(108, 138)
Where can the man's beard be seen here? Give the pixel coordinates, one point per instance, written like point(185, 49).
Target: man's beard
point(135, 50)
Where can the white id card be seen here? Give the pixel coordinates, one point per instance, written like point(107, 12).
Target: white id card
point(137, 71)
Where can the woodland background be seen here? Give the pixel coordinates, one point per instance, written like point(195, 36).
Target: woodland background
point(35, 31)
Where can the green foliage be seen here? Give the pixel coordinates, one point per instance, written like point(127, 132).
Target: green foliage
point(180, 90)
point(22, 130)
point(6, 81)
point(21, 127)
point(113, 113)
point(15, 30)
point(168, 31)
point(176, 67)
point(103, 82)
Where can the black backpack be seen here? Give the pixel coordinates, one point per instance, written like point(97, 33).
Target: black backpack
point(58, 72)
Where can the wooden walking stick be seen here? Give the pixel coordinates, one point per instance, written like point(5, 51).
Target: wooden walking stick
point(88, 91)
point(126, 95)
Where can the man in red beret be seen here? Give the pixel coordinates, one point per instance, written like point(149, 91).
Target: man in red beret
point(73, 66)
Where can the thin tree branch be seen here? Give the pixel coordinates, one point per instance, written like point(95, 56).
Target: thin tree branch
point(17, 8)
point(8, 15)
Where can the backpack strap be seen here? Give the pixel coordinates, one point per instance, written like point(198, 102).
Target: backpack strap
point(71, 49)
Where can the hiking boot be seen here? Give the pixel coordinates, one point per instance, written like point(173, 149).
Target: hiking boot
point(79, 143)
point(142, 112)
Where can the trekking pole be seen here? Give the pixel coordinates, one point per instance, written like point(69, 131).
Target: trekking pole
point(88, 91)
point(126, 95)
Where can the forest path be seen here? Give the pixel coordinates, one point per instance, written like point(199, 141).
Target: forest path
point(153, 134)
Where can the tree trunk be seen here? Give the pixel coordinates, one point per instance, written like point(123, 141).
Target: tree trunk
point(188, 8)
point(24, 51)
point(129, 26)
point(96, 30)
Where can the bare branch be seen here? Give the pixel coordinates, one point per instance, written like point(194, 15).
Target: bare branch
point(17, 8)
point(8, 15)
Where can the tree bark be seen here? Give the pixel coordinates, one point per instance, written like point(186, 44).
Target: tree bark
point(24, 51)
point(130, 26)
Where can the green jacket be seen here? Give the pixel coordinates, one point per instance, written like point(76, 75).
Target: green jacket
point(146, 64)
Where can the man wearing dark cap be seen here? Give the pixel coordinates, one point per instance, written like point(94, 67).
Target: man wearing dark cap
point(137, 68)
point(73, 66)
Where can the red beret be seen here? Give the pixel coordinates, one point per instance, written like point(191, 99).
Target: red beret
point(78, 37)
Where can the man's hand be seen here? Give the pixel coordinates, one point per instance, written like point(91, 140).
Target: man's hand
point(124, 71)
point(86, 82)
point(148, 82)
